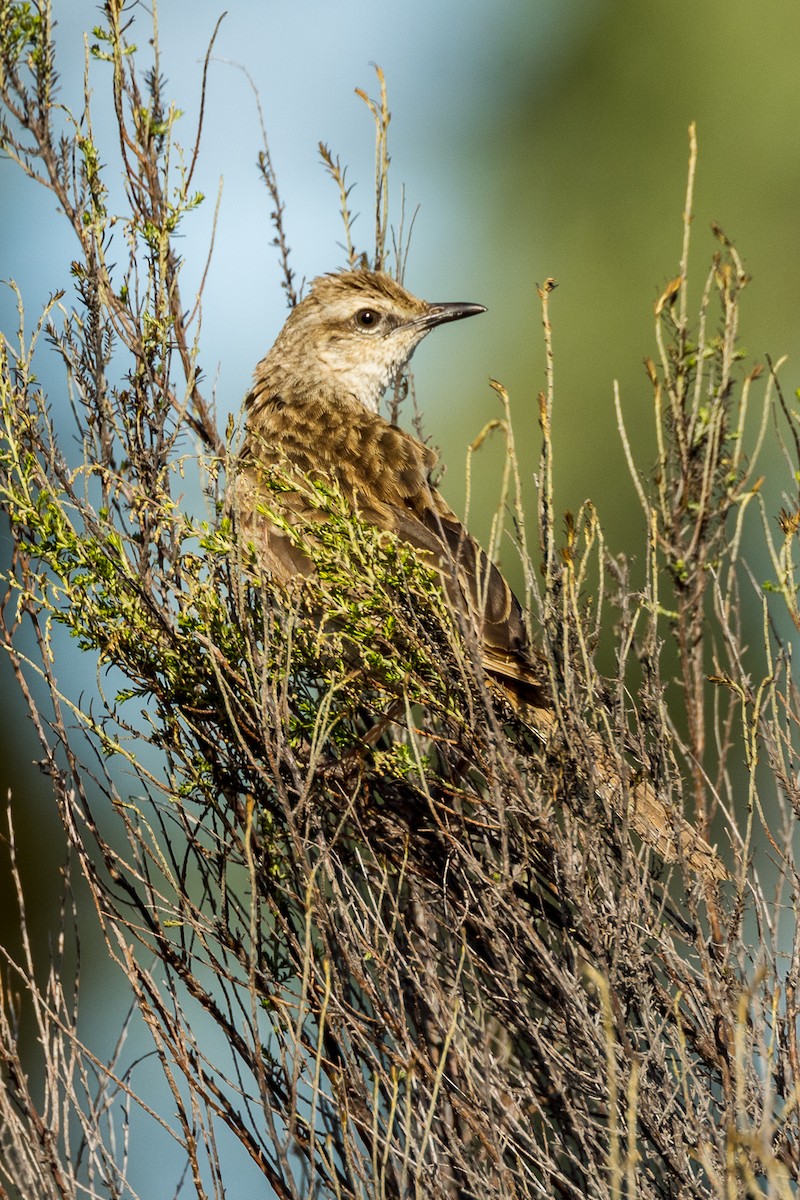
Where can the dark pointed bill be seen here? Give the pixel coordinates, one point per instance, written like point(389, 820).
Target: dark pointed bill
point(438, 314)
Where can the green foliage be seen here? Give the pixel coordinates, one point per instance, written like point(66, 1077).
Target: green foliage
point(23, 35)
point(370, 630)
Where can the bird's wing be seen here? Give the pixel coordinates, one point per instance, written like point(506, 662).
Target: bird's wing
point(385, 473)
point(419, 515)
point(395, 492)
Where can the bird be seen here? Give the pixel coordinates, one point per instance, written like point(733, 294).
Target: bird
point(313, 414)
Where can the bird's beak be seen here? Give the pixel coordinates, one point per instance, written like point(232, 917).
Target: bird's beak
point(438, 314)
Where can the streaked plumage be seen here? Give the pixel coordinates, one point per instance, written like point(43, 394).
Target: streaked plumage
point(313, 411)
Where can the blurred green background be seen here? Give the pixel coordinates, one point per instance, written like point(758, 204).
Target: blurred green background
point(540, 138)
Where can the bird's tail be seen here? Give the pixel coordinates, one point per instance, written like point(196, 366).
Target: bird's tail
point(665, 831)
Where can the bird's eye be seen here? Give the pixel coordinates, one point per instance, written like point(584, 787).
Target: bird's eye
point(367, 318)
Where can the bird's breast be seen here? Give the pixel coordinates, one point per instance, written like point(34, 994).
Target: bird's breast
point(315, 438)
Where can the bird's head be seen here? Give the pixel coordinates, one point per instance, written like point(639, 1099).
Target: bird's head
point(354, 332)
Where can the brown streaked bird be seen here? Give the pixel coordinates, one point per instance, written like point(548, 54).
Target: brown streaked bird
point(313, 412)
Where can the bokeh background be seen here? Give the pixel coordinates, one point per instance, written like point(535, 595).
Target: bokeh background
point(539, 138)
